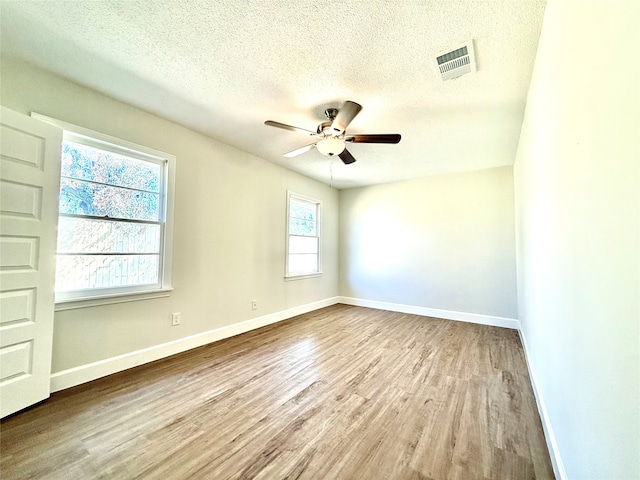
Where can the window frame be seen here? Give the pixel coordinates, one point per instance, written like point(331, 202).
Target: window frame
point(318, 203)
point(101, 141)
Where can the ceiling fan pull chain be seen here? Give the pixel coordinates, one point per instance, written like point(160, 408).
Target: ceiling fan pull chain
point(331, 173)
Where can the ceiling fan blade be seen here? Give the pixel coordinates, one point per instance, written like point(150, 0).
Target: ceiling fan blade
point(271, 123)
point(346, 157)
point(373, 138)
point(298, 151)
point(345, 115)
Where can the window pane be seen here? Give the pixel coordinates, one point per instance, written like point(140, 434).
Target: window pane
point(82, 198)
point(298, 226)
point(303, 263)
point(81, 235)
point(302, 210)
point(80, 272)
point(303, 244)
point(89, 163)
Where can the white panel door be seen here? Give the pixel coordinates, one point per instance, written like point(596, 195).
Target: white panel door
point(29, 189)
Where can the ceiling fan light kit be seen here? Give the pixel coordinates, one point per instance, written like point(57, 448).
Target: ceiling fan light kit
point(330, 146)
point(332, 135)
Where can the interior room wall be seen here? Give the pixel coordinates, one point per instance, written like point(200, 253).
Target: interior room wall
point(444, 242)
point(577, 195)
point(229, 238)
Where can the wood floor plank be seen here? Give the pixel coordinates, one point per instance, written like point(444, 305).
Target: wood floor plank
point(339, 393)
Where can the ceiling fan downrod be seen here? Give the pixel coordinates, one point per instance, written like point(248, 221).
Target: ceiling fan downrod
point(331, 113)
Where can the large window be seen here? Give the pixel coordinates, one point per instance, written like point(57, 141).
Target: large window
point(303, 236)
point(113, 233)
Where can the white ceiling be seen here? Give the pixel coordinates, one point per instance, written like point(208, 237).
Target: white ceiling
point(224, 67)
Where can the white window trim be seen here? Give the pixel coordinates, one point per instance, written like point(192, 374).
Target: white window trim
point(299, 276)
point(97, 300)
point(103, 141)
point(291, 278)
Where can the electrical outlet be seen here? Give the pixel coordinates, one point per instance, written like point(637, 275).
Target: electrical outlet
point(175, 319)
point(254, 304)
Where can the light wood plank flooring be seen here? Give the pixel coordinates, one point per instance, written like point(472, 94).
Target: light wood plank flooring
point(340, 393)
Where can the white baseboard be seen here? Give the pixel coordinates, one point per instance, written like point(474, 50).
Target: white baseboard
point(434, 312)
point(552, 445)
point(92, 371)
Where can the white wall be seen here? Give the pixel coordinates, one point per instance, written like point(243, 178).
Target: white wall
point(229, 239)
point(577, 195)
point(444, 242)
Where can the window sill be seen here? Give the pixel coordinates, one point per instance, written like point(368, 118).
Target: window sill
point(98, 300)
point(288, 278)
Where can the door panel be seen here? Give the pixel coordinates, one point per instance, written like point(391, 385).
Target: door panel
point(29, 188)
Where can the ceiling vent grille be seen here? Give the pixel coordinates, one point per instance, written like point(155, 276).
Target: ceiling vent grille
point(457, 61)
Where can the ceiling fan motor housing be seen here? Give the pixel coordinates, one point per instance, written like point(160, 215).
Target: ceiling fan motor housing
point(325, 128)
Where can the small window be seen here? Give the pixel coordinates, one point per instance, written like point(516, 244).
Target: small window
point(303, 236)
point(114, 223)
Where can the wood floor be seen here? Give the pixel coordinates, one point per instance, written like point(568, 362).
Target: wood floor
point(340, 393)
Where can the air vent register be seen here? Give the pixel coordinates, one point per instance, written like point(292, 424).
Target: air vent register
point(456, 62)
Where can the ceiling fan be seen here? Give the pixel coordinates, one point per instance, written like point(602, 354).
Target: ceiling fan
point(331, 135)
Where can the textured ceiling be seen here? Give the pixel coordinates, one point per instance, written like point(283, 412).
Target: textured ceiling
point(224, 67)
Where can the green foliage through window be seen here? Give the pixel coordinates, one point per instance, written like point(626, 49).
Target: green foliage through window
point(122, 248)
